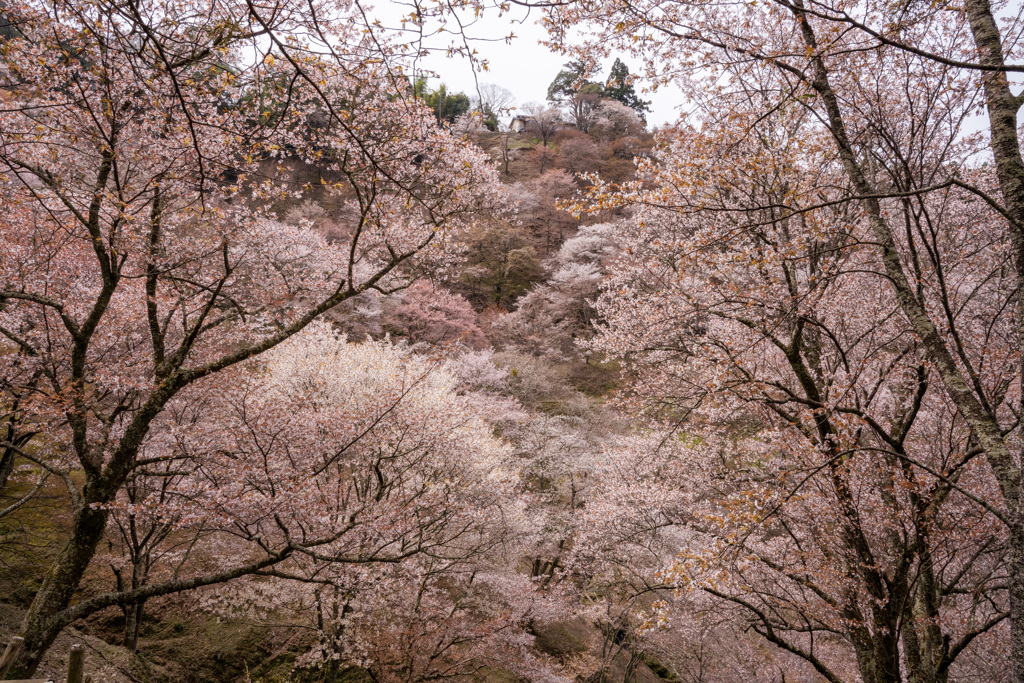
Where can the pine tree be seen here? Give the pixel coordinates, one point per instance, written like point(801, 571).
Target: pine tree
point(619, 87)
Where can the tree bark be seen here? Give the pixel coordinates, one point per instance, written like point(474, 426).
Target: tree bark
point(1010, 170)
point(1002, 108)
point(132, 623)
point(42, 623)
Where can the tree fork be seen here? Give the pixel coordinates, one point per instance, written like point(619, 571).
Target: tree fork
point(984, 425)
point(1003, 107)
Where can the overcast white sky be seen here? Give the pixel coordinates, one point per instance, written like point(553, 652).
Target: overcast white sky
point(524, 67)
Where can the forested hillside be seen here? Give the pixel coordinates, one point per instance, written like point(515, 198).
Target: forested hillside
point(315, 368)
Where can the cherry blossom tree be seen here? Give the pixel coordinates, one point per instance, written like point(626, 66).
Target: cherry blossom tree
point(143, 148)
point(361, 490)
point(613, 119)
point(444, 625)
point(886, 84)
point(500, 266)
point(577, 152)
point(840, 499)
point(543, 121)
point(433, 316)
point(538, 207)
point(554, 316)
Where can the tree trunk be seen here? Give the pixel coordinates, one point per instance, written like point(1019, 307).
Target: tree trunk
point(132, 623)
point(43, 622)
point(133, 612)
point(331, 671)
point(631, 666)
point(9, 453)
point(1003, 107)
point(1017, 597)
point(6, 466)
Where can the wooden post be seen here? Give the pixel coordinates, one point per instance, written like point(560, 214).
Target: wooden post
point(10, 654)
point(76, 664)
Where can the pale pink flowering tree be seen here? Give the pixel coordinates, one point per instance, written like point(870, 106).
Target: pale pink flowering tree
point(439, 623)
point(838, 501)
point(142, 150)
point(889, 87)
point(555, 316)
point(433, 316)
point(360, 491)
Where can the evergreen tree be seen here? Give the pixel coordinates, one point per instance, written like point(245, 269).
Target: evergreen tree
point(578, 95)
point(618, 87)
point(447, 107)
point(570, 81)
